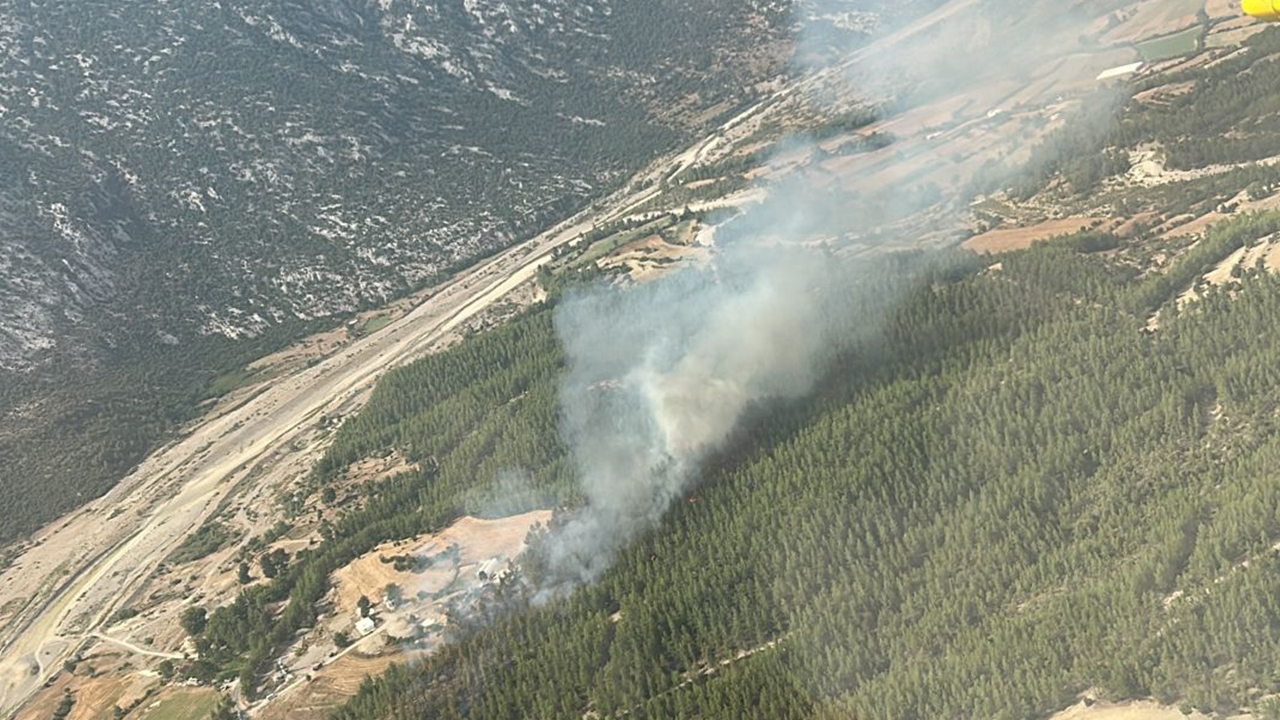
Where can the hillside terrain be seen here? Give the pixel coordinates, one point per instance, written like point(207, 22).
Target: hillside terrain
point(191, 185)
point(1049, 477)
point(1033, 474)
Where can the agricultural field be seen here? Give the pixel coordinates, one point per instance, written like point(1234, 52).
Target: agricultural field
point(1179, 44)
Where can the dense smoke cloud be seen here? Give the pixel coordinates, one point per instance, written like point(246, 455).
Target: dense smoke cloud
point(660, 375)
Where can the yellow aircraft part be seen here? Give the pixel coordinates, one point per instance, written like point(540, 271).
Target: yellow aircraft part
point(1262, 9)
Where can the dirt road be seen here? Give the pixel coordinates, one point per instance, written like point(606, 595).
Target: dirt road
point(87, 566)
point(135, 649)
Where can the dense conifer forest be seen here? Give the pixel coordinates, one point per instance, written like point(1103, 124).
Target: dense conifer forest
point(434, 150)
point(1032, 477)
point(1014, 492)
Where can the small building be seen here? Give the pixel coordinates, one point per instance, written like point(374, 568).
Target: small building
point(365, 625)
point(1119, 71)
point(434, 623)
point(486, 569)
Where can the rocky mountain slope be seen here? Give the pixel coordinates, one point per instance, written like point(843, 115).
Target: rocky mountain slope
point(219, 168)
point(189, 183)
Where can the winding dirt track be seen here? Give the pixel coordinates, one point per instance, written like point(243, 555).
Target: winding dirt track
point(135, 649)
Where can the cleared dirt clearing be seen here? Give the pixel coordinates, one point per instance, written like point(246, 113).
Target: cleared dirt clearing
point(1006, 239)
point(1141, 710)
point(328, 688)
point(477, 540)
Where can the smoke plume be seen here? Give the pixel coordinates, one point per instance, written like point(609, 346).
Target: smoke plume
point(662, 374)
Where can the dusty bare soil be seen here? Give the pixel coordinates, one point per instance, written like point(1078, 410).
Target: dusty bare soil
point(1194, 225)
point(84, 567)
point(328, 687)
point(261, 442)
point(650, 257)
point(1165, 93)
point(1140, 710)
point(317, 675)
point(1265, 252)
point(477, 540)
point(1006, 239)
point(100, 683)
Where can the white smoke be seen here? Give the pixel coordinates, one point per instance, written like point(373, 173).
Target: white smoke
point(661, 375)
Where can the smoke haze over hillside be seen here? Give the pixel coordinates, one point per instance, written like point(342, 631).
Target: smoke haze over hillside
point(661, 375)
